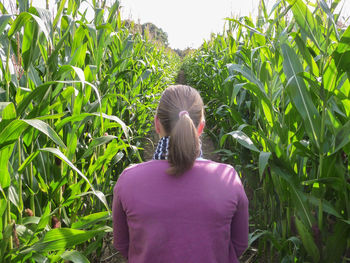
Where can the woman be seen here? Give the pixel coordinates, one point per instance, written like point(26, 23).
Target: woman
point(180, 207)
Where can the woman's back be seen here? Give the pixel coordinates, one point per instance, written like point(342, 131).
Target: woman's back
point(200, 216)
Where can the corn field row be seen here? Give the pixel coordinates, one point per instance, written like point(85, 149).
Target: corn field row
point(75, 102)
point(278, 103)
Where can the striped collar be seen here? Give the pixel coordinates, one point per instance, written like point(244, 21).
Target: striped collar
point(162, 149)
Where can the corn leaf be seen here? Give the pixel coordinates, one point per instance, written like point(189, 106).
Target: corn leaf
point(29, 43)
point(4, 19)
point(74, 256)
point(60, 155)
point(242, 138)
point(46, 129)
point(299, 94)
point(307, 22)
point(97, 142)
point(89, 220)
point(307, 240)
point(263, 160)
point(60, 239)
point(342, 53)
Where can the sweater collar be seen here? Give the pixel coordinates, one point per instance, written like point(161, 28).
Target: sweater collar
point(162, 150)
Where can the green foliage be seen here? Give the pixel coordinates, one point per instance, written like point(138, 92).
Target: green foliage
point(149, 31)
point(75, 101)
point(280, 88)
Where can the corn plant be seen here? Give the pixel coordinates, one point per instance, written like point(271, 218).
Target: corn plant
point(280, 89)
point(75, 101)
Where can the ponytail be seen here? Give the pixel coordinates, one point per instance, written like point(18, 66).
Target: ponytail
point(180, 112)
point(183, 146)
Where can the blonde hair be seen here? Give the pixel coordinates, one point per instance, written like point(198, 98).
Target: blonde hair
point(184, 144)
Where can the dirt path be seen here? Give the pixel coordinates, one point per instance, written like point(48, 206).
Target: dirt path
point(181, 78)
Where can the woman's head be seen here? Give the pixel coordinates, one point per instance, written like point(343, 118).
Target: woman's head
point(181, 115)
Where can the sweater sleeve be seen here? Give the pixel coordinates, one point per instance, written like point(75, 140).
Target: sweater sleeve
point(240, 225)
point(120, 225)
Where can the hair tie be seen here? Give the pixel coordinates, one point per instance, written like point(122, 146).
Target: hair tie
point(184, 112)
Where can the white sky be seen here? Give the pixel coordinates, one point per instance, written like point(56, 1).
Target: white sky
point(187, 22)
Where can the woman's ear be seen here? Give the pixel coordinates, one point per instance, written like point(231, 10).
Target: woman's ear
point(201, 127)
point(156, 124)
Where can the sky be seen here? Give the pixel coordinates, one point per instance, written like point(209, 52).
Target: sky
point(187, 22)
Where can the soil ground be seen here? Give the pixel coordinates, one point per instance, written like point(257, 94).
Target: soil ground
point(181, 79)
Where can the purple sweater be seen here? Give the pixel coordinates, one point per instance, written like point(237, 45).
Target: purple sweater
point(199, 217)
